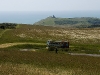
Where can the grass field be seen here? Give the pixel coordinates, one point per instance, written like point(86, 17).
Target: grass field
point(44, 63)
point(30, 33)
point(23, 51)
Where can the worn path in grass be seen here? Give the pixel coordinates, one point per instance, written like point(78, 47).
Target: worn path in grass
point(3, 32)
point(13, 44)
point(94, 55)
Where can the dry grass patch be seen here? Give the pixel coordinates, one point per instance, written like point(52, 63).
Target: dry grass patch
point(24, 69)
point(43, 33)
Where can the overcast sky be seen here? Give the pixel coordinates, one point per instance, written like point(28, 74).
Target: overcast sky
point(49, 5)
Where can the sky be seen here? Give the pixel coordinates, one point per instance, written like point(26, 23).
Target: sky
point(49, 5)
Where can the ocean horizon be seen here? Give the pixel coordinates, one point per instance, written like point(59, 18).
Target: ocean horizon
point(32, 17)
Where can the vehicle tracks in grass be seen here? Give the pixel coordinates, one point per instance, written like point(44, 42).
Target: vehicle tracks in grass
point(13, 44)
point(4, 32)
point(83, 54)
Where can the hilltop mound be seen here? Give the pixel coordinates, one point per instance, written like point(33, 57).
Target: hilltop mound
point(83, 22)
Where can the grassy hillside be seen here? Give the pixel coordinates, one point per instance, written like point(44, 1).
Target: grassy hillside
point(79, 39)
point(47, 63)
point(36, 33)
point(84, 22)
point(23, 52)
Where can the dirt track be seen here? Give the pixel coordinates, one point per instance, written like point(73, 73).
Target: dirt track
point(3, 32)
point(13, 44)
point(94, 55)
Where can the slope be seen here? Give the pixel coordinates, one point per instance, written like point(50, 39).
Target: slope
point(83, 22)
point(40, 34)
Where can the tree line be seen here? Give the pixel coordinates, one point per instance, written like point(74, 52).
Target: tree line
point(8, 25)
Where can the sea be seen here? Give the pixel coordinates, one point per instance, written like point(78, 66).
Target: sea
point(31, 17)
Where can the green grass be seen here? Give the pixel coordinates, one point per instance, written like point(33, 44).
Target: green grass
point(47, 21)
point(82, 40)
point(85, 48)
point(32, 33)
point(50, 61)
point(82, 22)
point(40, 61)
point(2, 31)
point(26, 46)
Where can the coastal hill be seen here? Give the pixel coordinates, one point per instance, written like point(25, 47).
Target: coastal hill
point(81, 22)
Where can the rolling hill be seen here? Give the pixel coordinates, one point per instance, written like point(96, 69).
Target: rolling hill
point(23, 52)
point(39, 33)
point(83, 22)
